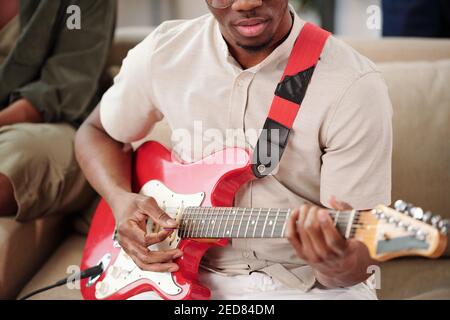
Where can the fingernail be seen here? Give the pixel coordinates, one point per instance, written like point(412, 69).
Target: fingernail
point(173, 269)
point(172, 222)
point(323, 216)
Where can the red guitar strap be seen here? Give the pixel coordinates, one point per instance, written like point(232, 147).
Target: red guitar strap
point(288, 98)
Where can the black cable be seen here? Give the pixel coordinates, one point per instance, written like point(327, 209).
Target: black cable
point(88, 273)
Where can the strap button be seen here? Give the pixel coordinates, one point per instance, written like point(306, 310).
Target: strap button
point(261, 168)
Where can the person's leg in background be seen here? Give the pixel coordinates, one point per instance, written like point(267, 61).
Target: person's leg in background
point(416, 18)
point(8, 205)
point(39, 175)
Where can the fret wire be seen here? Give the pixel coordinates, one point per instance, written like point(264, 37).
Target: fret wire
point(226, 225)
point(191, 228)
point(232, 223)
point(214, 225)
point(256, 224)
point(275, 223)
point(203, 220)
point(284, 224)
point(265, 223)
point(208, 224)
point(218, 229)
point(240, 223)
point(195, 225)
point(248, 221)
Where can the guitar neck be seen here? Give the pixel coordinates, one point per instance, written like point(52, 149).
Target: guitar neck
point(219, 222)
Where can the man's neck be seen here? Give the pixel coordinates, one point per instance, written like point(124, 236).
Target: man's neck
point(248, 59)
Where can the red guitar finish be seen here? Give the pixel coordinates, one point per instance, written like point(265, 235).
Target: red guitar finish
point(219, 182)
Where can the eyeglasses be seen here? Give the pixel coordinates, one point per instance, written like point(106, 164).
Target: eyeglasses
point(220, 4)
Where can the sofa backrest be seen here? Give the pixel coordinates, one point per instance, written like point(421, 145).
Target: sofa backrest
point(417, 72)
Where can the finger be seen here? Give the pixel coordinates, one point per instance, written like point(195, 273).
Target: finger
point(159, 267)
point(150, 207)
point(315, 234)
point(334, 240)
point(146, 256)
point(339, 205)
point(160, 236)
point(131, 230)
point(307, 248)
point(292, 233)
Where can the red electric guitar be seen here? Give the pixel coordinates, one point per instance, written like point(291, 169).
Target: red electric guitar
point(200, 197)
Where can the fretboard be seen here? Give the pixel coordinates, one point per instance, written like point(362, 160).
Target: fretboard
point(218, 222)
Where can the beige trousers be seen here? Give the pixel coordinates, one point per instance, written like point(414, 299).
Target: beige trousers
point(259, 286)
point(39, 160)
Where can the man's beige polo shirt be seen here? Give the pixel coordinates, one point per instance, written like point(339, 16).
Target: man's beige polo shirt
point(340, 145)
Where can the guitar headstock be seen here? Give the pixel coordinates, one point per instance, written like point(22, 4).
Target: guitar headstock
point(405, 231)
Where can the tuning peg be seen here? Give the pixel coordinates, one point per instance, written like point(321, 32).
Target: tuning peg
point(444, 226)
point(416, 213)
point(400, 205)
point(427, 217)
point(435, 220)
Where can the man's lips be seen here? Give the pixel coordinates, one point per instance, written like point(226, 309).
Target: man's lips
point(251, 27)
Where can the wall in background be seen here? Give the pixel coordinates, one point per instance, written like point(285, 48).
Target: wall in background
point(350, 16)
point(188, 9)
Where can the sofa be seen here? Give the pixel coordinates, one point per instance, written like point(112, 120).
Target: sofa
point(417, 71)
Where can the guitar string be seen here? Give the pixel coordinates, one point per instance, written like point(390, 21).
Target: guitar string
point(194, 214)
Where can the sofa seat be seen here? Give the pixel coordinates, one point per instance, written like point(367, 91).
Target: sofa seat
point(411, 278)
point(23, 249)
point(68, 254)
point(415, 278)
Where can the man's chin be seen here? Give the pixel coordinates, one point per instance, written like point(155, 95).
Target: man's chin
point(255, 47)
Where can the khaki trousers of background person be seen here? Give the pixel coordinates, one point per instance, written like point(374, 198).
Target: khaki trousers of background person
point(39, 160)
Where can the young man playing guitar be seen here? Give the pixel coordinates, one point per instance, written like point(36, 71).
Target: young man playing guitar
point(221, 69)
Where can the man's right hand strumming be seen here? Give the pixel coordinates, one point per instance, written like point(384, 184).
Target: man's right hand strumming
point(132, 212)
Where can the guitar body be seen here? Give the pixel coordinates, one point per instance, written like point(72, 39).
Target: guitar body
point(211, 182)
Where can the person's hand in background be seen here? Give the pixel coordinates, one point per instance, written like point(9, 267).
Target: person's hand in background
point(19, 112)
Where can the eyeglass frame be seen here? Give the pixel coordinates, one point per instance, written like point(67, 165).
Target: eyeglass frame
point(227, 6)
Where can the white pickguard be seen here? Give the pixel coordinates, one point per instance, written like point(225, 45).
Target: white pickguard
point(123, 271)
